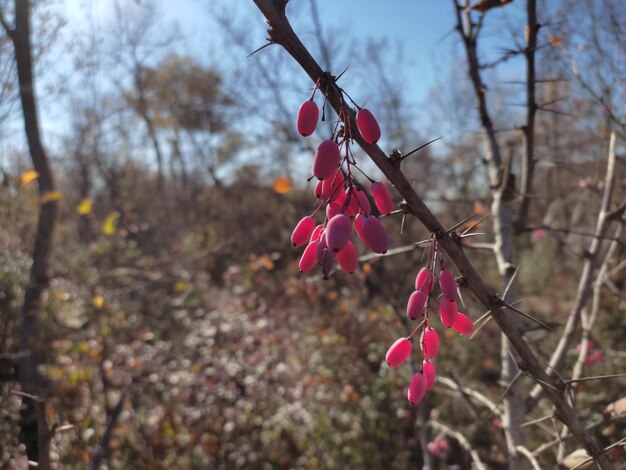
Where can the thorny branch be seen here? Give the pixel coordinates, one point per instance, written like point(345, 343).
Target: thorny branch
point(280, 32)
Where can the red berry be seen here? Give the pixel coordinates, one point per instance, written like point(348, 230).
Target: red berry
point(415, 306)
point(307, 118)
point(332, 209)
point(417, 389)
point(382, 198)
point(321, 246)
point(428, 369)
point(309, 257)
point(429, 341)
point(463, 324)
point(368, 127)
point(319, 190)
point(338, 231)
point(398, 352)
point(424, 280)
point(375, 235)
point(448, 311)
point(447, 284)
point(327, 158)
point(358, 226)
point(332, 187)
point(302, 233)
point(348, 258)
point(316, 233)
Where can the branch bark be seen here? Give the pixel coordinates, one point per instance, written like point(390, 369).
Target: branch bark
point(32, 425)
point(280, 32)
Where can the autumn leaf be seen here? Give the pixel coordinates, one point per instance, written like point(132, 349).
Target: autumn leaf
point(479, 208)
point(98, 301)
point(556, 41)
point(84, 206)
point(51, 196)
point(27, 177)
point(110, 223)
point(282, 185)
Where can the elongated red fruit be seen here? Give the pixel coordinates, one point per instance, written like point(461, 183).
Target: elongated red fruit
point(358, 226)
point(415, 305)
point(424, 280)
point(463, 324)
point(368, 127)
point(321, 246)
point(332, 209)
point(375, 235)
point(382, 198)
point(359, 203)
point(316, 233)
point(307, 118)
point(319, 190)
point(338, 231)
point(302, 233)
point(327, 158)
point(428, 369)
point(429, 342)
point(332, 187)
point(348, 258)
point(417, 388)
point(309, 257)
point(447, 284)
point(398, 352)
point(448, 311)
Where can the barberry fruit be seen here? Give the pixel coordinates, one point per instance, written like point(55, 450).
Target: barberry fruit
point(417, 388)
point(382, 198)
point(348, 258)
point(367, 125)
point(327, 158)
point(447, 284)
point(429, 342)
point(302, 233)
point(398, 352)
point(448, 311)
point(415, 306)
point(308, 115)
point(463, 324)
point(338, 231)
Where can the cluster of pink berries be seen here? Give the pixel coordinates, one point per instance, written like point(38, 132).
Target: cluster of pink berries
point(437, 447)
point(347, 206)
point(593, 355)
point(419, 306)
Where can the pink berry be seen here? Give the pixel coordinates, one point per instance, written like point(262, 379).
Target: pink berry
point(348, 258)
point(332, 187)
point(433, 448)
point(302, 233)
point(398, 352)
point(448, 311)
point(428, 369)
point(429, 341)
point(358, 226)
point(332, 209)
point(307, 118)
point(417, 389)
point(382, 198)
point(424, 280)
point(375, 235)
point(318, 190)
point(415, 306)
point(309, 257)
point(447, 284)
point(368, 127)
point(463, 324)
point(338, 231)
point(363, 202)
point(321, 246)
point(317, 232)
point(327, 159)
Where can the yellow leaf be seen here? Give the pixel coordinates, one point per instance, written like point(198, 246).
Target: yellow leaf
point(282, 185)
point(51, 196)
point(180, 287)
point(109, 224)
point(27, 177)
point(98, 301)
point(84, 207)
